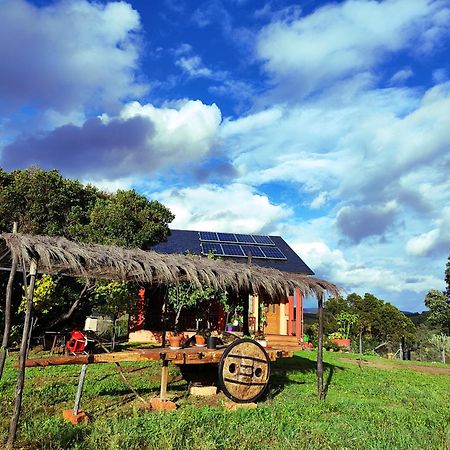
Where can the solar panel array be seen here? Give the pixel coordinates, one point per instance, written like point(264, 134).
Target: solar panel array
point(233, 237)
point(239, 245)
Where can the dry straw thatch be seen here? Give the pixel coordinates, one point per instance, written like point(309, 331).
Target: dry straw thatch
point(59, 255)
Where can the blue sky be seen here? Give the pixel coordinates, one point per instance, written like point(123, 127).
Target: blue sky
point(327, 123)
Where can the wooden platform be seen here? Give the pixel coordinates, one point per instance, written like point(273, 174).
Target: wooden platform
point(191, 355)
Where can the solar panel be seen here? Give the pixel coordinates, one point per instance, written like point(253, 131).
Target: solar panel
point(245, 238)
point(273, 253)
point(256, 251)
point(264, 240)
point(208, 236)
point(211, 247)
point(226, 237)
point(232, 250)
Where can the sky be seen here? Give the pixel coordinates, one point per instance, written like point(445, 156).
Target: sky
point(327, 123)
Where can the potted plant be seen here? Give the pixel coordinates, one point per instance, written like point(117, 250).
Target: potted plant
point(230, 326)
point(200, 339)
point(175, 340)
point(212, 339)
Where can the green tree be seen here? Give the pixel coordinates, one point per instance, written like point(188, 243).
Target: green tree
point(438, 304)
point(128, 219)
point(44, 202)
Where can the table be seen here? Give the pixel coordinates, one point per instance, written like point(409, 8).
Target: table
point(243, 366)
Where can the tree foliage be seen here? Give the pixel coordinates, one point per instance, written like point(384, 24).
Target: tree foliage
point(438, 304)
point(371, 317)
point(44, 202)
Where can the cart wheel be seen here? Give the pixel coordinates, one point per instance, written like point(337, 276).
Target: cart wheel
point(244, 371)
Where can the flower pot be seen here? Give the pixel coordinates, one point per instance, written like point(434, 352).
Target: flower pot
point(211, 342)
point(175, 341)
point(199, 339)
point(229, 328)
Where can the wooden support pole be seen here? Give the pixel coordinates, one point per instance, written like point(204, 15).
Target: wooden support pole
point(164, 378)
point(76, 407)
point(7, 325)
point(320, 390)
point(23, 357)
point(245, 327)
point(298, 310)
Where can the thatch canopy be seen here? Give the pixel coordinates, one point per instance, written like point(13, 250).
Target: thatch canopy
point(59, 255)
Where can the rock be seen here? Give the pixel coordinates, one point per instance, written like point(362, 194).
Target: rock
point(162, 405)
point(81, 417)
point(203, 391)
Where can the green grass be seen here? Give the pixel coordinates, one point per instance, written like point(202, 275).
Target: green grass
point(366, 408)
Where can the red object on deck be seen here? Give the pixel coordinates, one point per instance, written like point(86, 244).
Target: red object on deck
point(77, 342)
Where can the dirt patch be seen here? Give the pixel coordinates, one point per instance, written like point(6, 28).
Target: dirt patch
point(393, 365)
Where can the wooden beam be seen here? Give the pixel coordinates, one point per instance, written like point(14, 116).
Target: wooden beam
point(7, 327)
point(182, 356)
point(164, 378)
point(23, 357)
point(8, 301)
point(320, 390)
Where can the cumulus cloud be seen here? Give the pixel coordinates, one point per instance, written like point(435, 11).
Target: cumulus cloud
point(342, 39)
point(434, 241)
point(235, 207)
point(139, 141)
point(358, 223)
point(68, 55)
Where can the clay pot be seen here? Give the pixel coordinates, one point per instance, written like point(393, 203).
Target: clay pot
point(199, 339)
point(175, 341)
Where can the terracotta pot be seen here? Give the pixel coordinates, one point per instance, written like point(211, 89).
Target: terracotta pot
point(199, 339)
point(342, 343)
point(175, 341)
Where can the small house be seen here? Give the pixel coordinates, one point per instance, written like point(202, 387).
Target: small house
point(274, 316)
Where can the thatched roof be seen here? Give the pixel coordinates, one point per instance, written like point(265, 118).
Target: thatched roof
point(59, 255)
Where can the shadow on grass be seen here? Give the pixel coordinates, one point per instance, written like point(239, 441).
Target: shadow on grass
point(282, 370)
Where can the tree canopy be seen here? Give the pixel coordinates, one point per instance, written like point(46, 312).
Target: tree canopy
point(44, 202)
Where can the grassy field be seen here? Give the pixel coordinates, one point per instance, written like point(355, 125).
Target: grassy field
point(378, 404)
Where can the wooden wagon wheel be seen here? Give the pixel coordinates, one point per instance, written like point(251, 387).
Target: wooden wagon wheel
point(244, 371)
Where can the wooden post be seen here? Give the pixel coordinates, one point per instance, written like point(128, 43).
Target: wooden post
point(164, 378)
point(290, 329)
point(7, 325)
point(23, 357)
point(245, 327)
point(320, 391)
point(76, 407)
point(298, 311)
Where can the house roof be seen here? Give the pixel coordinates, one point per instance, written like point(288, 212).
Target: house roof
point(182, 241)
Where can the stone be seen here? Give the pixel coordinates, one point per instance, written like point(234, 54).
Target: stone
point(162, 405)
point(81, 417)
point(203, 391)
point(234, 406)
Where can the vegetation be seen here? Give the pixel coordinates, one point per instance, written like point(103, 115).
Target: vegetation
point(369, 321)
point(44, 202)
point(381, 405)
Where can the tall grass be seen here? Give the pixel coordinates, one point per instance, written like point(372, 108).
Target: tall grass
point(367, 407)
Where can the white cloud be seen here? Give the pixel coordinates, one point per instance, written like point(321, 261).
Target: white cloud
point(436, 240)
point(141, 140)
point(401, 76)
point(342, 39)
point(68, 55)
point(183, 132)
point(235, 207)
